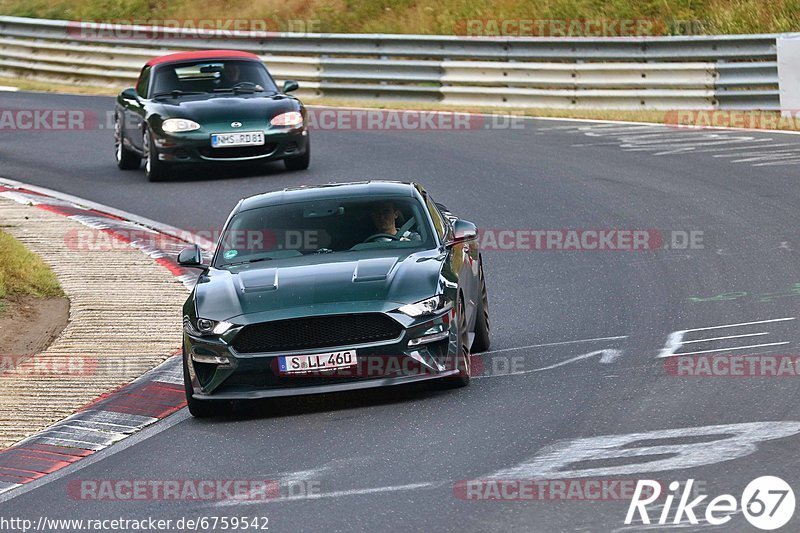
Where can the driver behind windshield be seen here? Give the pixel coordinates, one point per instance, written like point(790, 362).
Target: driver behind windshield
point(232, 76)
point(384, 217)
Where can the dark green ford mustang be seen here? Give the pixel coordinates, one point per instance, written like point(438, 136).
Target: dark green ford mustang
point(329, 288)
point(211, 107)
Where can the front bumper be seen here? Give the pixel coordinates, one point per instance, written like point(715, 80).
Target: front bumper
point(195, 147)
point(250, 376)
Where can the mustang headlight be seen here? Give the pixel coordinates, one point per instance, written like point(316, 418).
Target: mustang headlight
point(204, 326)
point(179, 125)
point(428, 306)
point(292, 118)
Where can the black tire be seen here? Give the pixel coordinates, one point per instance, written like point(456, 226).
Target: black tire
point(462, 362)
point(154, 169)
point(483, 329)
point(126, 160)
point(199, 408)
point(300, 162)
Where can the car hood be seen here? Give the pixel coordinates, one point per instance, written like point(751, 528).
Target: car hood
point(311, 285)
point(249, 108)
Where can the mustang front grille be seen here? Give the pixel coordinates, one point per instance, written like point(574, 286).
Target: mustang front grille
point(316, 332)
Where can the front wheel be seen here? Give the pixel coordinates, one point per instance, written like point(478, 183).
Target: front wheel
point(462, 362)
point(483, 331)
point(154, 169)
point(126, 160)
point(199, 408)
point(300, 162)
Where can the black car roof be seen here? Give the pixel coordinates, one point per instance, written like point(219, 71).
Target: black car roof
point(330, 190)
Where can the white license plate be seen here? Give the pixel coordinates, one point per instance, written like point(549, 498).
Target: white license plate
point(321, 361)
point(240, 138)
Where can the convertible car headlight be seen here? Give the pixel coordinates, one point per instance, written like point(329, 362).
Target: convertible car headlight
point(179, 125)
point(204, 326)
point(428, 306)
point(292, 118)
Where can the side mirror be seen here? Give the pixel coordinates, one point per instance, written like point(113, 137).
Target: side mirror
point(464, 231)
point(191, 257)
point(130, 94)
point(290, 85)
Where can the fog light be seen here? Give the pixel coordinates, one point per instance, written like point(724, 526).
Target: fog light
point(425, 339)
point(212, 359)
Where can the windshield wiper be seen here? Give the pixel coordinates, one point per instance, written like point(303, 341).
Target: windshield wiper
point(176, 93)
point(247, 262)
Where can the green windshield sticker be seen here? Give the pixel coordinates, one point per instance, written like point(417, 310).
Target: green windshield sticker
point(230, 254)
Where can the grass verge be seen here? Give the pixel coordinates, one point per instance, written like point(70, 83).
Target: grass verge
point(444, 17)
point(23, 273)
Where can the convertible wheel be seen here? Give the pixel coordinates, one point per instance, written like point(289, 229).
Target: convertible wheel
point(199, 408)
point(126, 160)
point(300, 162)
point(483, 331)
point(463, 357)
point(154, 169)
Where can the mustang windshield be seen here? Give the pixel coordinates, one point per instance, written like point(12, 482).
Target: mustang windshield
point(213, 76)
point(323, 227)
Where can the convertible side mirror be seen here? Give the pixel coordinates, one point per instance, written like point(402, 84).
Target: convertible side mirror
point(130, 95)
point(290, 85)
point(464, 231)
point(191, 257)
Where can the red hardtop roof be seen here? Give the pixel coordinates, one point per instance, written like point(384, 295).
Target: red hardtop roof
point(199, 55)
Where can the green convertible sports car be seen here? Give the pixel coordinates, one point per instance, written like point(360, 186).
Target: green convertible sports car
point(334, 287)
point(212, 106)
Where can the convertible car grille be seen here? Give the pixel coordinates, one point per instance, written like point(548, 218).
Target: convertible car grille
point(233, 153)
point(316, 332)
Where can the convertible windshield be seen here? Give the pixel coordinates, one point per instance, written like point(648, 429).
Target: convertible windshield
point(234, 75)
point(323, 227)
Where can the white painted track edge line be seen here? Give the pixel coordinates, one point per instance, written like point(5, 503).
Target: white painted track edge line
point(565, 119)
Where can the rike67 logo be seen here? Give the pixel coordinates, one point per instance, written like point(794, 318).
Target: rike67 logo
point(767, 503)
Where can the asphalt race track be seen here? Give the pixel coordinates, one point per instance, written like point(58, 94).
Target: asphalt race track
point(391, 460)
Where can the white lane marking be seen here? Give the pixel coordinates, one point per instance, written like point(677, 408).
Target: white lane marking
point(734, 441)
point(675, 339)
point(778, 163)
point(731, 349)
point(787, 147)
point(562, 343)
point(636, 145)
point(696, 148)
point(606, 356)
point(676, 138)
point(579, 123)
point(770, 321)
point(726, 337)
point(794, 154)
point(661, 141)
point(754, 141)
point(321, 495)
point(5, 88)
